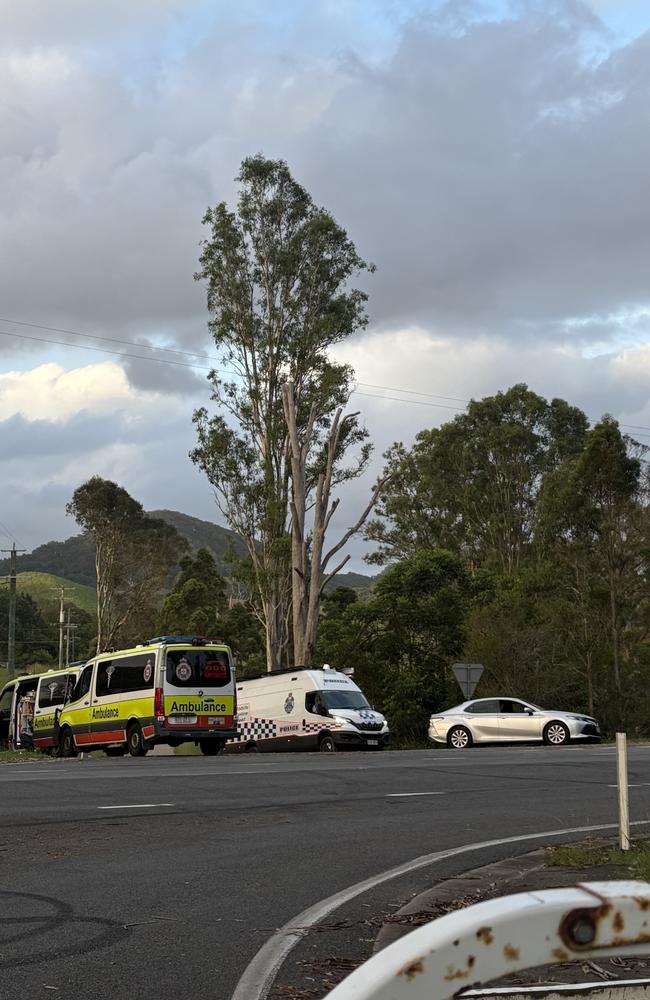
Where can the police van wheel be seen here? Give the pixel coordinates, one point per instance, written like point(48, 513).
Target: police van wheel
point(211, 747)
point(251, 748)
point(66, 744)
point(327, 745)
point(136, 743)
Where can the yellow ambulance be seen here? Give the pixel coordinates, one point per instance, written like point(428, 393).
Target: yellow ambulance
point(171, 690)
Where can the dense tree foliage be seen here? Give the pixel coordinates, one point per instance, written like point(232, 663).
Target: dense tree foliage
point(277, 273)
point(545, 523)
point(36, 637)
point(134, 556)
point(472, 485)
point(402, 639)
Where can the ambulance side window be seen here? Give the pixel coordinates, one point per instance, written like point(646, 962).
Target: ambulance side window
point(52, 691)
point(82, 687)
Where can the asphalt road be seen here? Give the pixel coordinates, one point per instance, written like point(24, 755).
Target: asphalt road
point(161, 878)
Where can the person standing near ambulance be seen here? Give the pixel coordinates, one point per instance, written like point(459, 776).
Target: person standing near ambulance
point(26, 720)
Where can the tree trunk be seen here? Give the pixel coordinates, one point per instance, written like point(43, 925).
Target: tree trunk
point(309, 569)
point(273, 630)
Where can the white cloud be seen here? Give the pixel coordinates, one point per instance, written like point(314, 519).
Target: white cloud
point(52, 392)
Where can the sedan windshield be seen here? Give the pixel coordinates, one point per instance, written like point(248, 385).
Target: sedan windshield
point(345, 699)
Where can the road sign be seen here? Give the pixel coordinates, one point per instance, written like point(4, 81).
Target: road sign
point(468, 675)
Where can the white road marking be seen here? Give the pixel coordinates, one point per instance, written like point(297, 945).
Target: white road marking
point(259, 975)
point(641, 784)
point(409, 795)
point(142, 805)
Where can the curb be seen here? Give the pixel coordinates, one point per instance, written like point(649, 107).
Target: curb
point(455, 894)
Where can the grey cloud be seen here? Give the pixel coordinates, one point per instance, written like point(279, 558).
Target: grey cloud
point(495, 171)
point(495, 174)
point(24, 441)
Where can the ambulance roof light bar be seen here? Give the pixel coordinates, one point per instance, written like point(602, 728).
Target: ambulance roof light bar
point(191, 640)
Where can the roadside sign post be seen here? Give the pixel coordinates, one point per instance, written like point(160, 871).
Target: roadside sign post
point(468, 675)
point(623, 794)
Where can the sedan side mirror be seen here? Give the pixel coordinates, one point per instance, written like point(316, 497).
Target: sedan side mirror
point(529, 711)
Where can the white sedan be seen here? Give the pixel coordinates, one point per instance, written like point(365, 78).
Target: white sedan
point(508, 720)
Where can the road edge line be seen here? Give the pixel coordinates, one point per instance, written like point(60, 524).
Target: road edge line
point(259, 975)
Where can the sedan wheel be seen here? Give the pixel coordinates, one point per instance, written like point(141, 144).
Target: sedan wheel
point(556, 733)
point(459, 738)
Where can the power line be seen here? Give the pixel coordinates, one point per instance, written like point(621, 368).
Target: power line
point(102, 350)
point(429, 401)
point(5, 531)
point(109, 340)
point(417, 402)
point(187, 354)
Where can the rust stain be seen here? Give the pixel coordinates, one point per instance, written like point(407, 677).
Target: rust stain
point(412, 970)
point(470, 961)
point(618, 923)
point(642, 902)
point(485, 935)
point(511, 953)
point(618, 942)
point(560, 954)
point(456, 973)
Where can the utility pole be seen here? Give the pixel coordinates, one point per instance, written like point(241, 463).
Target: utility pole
point(61, 626)
point(11, 638)
point(69, 633)
point(11, 641)
point(62, 591)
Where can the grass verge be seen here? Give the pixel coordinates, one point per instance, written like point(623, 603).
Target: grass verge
point(20, 756)
point(590, 855)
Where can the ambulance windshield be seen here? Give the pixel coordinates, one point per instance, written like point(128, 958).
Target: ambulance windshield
point(345, 699)
point(191, 668)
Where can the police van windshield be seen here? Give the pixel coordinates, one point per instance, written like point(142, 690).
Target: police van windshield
point(345, 699)
point(191, 668)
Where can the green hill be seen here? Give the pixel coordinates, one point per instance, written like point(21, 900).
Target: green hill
point(204, 535)
point(44, 588)
point(356, 581)
point(73, 560)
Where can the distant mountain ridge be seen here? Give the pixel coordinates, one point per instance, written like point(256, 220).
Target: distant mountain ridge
point(74, 558)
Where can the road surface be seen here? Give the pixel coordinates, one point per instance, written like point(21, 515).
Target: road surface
point(161, 878)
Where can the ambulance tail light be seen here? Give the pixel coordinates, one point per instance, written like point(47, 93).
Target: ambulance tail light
point(159, 705)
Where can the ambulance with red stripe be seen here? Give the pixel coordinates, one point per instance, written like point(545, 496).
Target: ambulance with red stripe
point(48, 693)
point(171, 690)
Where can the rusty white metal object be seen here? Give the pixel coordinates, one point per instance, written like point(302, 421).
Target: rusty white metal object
point(623, 792)
point(476, 945)
point(619, 989)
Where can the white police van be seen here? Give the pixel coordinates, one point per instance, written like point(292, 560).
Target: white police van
point(306, 709)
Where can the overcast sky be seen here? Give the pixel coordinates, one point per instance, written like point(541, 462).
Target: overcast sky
point(490, 158)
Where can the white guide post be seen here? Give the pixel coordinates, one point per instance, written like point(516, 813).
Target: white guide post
point(623, 794)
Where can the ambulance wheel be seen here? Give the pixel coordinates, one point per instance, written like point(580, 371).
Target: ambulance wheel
point(251, 748)
point(66, 744)
point(115, 751)
point(210, 748)
point(327, 745)
point(135, 741)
